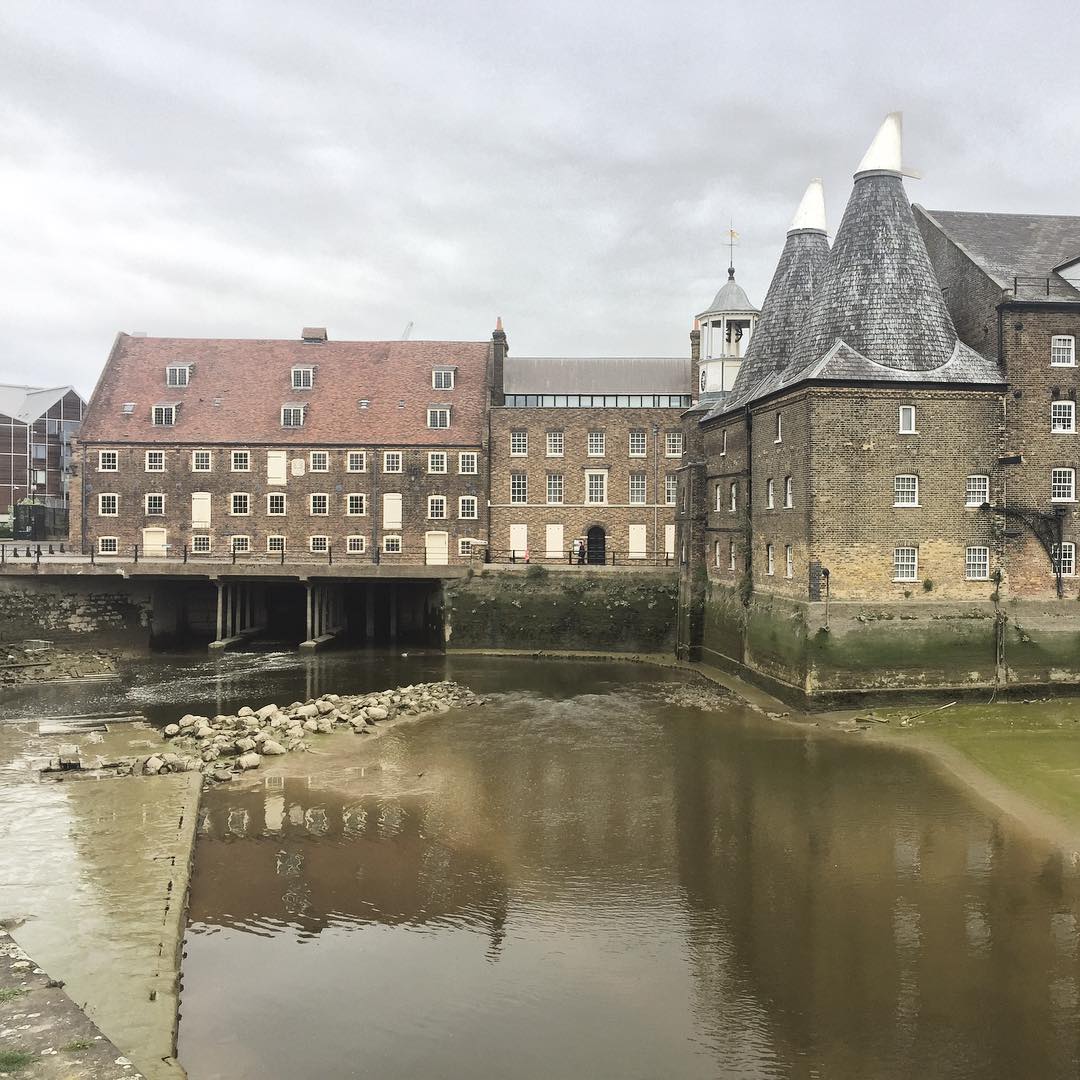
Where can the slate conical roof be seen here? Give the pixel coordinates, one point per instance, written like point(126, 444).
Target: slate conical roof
point(879, 313)
point(731, 299)
point(786, 303)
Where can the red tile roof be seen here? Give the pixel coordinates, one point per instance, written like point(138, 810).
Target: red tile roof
point(237, 388)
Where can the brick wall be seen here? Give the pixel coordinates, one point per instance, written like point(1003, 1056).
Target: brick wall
point(415, 483)
point(1033, 386)
point(857, 453)
point(73, 610)
point(575, 515)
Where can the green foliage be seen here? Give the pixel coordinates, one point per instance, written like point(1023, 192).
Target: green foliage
point(10, 994)
point(76, 1045)
point(11, 1060)
point(928, 585)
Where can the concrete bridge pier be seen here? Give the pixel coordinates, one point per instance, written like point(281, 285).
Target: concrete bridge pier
point(241, 612)
point(325, 613)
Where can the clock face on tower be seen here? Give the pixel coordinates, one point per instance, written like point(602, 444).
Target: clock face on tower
point(703, 380)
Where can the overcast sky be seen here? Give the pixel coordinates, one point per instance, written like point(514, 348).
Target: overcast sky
point(244, 169)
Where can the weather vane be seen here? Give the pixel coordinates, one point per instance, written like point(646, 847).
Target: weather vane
point(733, 239)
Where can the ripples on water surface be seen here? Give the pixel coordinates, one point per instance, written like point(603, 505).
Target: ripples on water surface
point(588, 877)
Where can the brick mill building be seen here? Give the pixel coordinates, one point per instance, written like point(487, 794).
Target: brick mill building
point(306, 449)
point(36, 429)
point(584, 453)
point(878, 500)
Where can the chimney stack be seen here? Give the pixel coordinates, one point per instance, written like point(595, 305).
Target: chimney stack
point(499, 349)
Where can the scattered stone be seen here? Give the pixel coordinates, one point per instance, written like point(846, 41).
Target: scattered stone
point(153, 765)
point(271, 747)
point(171, 730)
point(311, 725)
point(245, 745)
point(377, 712)
point(249, 761)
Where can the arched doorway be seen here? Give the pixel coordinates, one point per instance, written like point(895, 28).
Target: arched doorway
point(596, 545)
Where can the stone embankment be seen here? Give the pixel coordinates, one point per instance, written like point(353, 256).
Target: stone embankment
point(225, 746)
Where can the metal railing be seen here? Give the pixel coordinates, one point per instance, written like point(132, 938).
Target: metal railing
point(603, 557)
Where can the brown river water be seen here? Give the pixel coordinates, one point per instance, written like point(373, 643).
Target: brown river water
point(595, 876)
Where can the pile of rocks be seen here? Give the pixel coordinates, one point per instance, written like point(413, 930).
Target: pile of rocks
point(224, 746)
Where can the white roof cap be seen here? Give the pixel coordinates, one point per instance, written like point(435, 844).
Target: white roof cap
point(811, 211)
point(886, 152)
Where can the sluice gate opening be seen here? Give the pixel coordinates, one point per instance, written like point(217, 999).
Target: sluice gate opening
point(239, 613)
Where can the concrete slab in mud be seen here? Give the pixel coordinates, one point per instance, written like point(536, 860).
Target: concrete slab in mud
point(93, 883)
point(39, 1023)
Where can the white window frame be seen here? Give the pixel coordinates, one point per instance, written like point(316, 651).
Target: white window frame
point(977, 563)
point(904, 489)
point(733, 497)
point(770, 565)
point(243, 456)
point(197, 547)
point(146, 461)
point(557, 480)
point(112, 541)
point(163, 416)
point(437, 461)
point(436, 415)
point(732, 556)
point(671, 489)
point(596, 475)
point(789, 561)
point(355, 544)
point(303, 377)
point(146, 504)
point(273, 548)
point(913, 564)
point(639, 434)
point(392, 545)
point(240, 543)
point(325, 496)
point(442, 379)
point(520, 481)
point(464, 548)
point(716, 554)
point(519, 443)
point(972, 501)
point(779, 428)
point(595, 444)
point(319, 544)
point(356, 461)
point(436, 502)
point(393, 461)
point(770, 494)
point(789, 493)
point(555, 444)
point(463, 502)
point(1058, 480)
point(195, 460)
point(641, 497)
point(349, 511)
point(293, 416)
point(468, 457)
point(910, 429)
point(723, 443)
point(233, 496)
point(1066, 556)
point(1062, 350)
point(322, 458)
point(115, 511)
point(106, 455)
point(1065, 422)
point(718, 498)
point(173, 375)
point(673, 444)
point(270, 511)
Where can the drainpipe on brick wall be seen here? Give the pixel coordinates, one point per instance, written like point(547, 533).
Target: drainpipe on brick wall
point(749, 494)
point(655, 489)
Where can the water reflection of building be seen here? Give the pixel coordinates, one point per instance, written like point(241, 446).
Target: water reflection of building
point(320, 858)
point(890, 928)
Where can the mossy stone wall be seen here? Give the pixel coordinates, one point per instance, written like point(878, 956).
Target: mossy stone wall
point(610, 610)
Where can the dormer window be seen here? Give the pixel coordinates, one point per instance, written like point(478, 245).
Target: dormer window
point(438, 418)
point(292, 415)
point(164, 415)
point(303, 378)
point(443, 378)
point(177, 374)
